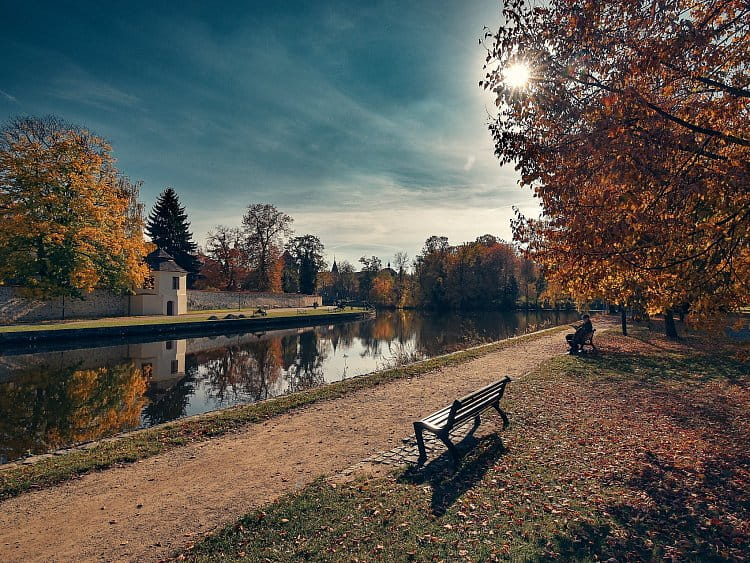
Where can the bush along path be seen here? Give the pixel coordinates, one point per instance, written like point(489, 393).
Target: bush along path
point(639, 453)
point(185, 480)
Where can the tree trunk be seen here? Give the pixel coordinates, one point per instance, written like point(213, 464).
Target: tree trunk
point(623, 318)
point(669, 327)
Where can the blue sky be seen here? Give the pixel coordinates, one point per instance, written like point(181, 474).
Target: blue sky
point(362, 120)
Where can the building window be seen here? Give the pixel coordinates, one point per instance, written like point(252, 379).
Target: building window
point(169, 344)
point(175, 366)
point(148, 282)
point(175, 282)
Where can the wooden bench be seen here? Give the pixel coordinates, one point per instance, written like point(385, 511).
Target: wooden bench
point(446, 419)
point(588, 340)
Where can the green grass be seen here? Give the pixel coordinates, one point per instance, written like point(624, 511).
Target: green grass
point(202, 316)
point(145, 443)
point(639, 453)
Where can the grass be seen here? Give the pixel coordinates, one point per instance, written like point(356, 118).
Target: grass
point(158, 320)
point(639, 453)
point(145, 443)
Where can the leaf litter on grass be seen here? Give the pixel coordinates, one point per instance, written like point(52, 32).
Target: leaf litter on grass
point(601, 461)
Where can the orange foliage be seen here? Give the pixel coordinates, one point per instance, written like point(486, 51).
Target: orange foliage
point(45, 409)
point(65, 221)
point(382, 291)
point(275, 270)
point(634, 132)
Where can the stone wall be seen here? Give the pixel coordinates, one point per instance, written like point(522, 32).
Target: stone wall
point(206, 300)
point(16, 308)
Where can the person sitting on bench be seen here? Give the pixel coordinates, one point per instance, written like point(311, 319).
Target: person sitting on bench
point(576, 340)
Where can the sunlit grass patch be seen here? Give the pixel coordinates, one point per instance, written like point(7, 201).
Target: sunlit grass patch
point(193, 317)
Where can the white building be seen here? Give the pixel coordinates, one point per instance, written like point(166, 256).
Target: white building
point(164, 292)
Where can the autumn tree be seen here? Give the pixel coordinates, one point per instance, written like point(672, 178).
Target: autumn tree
point(480, 274)
point(430, 271)
point(341, 284)
point(370, 268)
point(634, 132)
point(307, 253)
point(68, 221)
point(169, 229)
point(264, 229)
point(224, 245)
point(383, 290)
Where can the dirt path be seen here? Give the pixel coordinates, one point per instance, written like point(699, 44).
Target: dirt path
point(146, 510)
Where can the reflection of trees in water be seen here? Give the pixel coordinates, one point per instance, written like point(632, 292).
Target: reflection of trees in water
point(288, 351)
point(307, 370)
point(247, 370)
point(433, 333)
point(45, 407)
point(344, 334)
point(170, 404)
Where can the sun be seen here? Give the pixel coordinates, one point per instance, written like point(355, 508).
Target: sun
point(517, 75)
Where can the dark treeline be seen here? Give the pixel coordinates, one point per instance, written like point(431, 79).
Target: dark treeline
point(485, 273)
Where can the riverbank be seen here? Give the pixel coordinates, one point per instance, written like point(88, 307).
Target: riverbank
point(204, 322)
point(214, 469)
point(638, 453)
point(52, 468)
point(601, 452)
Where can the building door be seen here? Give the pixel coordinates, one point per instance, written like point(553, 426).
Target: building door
point(170, 308)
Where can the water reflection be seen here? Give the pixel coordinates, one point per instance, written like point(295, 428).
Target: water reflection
point(49, 400)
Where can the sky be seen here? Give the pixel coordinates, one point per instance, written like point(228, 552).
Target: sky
point(362, 120)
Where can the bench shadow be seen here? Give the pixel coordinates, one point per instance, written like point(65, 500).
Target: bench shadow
point(448, 483)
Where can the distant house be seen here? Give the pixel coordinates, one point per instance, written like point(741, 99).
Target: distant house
point(388, 270)
point(164, 291)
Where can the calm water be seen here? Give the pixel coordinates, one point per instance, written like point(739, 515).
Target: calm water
point(50, 400)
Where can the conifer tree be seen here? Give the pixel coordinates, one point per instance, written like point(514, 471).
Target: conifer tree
point(169, 229)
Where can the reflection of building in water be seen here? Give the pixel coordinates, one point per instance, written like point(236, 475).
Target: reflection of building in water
point(162, 363)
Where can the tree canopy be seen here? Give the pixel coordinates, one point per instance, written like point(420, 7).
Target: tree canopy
point(478, 274)
point(224, 247)
point(169, 229)
point(264, 229)
point(68, 221)
point(634, 132)
point(307, 253)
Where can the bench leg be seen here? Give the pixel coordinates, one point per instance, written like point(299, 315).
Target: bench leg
point(477, 422)
point(420, 443)
point(455, 454)
point(504, 416)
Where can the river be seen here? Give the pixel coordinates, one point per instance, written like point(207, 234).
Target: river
point(53, 398)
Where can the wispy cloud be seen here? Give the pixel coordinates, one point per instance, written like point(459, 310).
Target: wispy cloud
point(73, 83)
point(8, 97)
point(348, 116)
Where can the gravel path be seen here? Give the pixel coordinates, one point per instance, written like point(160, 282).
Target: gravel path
point(146, 510)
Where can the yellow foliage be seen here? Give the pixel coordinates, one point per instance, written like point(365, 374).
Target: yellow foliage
point(64, 225)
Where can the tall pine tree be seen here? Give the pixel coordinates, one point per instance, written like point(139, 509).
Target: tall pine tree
point(168, 228)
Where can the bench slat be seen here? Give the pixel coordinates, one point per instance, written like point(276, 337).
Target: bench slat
point(438, 417)
point(442, 421)
point(466, 399)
